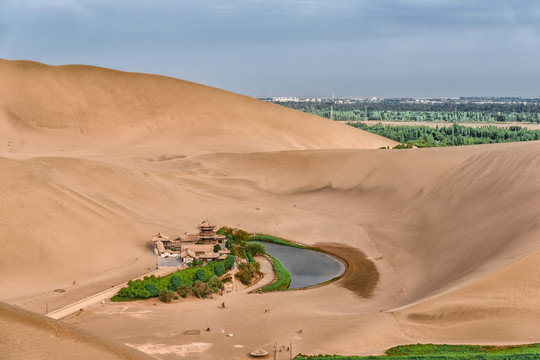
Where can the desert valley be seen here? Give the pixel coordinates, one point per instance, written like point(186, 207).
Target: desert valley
point(94, 161)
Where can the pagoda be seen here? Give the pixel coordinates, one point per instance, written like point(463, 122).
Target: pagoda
point(207, 233)
point(201, 246)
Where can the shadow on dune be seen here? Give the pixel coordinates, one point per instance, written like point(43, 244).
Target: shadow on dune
point(361, 275)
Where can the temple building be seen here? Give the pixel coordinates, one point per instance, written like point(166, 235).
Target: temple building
point(188, 247)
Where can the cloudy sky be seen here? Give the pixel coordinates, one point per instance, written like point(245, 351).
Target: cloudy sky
point(293, 47)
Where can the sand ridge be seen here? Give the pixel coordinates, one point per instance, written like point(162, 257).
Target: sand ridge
point(28, 335)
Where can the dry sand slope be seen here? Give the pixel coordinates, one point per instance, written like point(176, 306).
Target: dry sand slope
point(27, 335)
point(94, 161)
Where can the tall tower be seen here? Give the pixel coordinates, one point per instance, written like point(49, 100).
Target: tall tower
point(332, 108)
point(365, 112)
point(206, 232)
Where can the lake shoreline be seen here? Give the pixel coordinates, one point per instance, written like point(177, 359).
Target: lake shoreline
point(360, 274)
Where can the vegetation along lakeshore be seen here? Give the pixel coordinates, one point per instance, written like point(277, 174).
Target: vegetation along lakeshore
point(202, 279)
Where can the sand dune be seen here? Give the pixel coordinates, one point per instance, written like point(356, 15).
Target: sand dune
point(95, 161)
point(27, 335)
point(89, 108)
point(453, 211)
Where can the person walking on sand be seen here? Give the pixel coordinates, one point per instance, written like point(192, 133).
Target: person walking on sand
point(223, 305)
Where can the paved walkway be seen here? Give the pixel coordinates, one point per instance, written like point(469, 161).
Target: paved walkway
point(101, 296)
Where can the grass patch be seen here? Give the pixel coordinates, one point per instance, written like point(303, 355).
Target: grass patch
point(282, 280)
point(276, 240)
point(117, 298)
point(283, 276)
point(444, 352)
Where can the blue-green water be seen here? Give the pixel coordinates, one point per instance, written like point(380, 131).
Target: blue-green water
point(307, 267)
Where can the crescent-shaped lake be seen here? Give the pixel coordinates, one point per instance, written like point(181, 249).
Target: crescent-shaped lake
point(307, 267)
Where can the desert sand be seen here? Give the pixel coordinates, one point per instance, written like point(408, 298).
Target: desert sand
point(95, 161)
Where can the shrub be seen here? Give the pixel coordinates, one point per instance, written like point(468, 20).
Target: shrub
point(184, 291)
point(214, 284)
point(235, 235)
point(250, 258)
point(227, 232)
point(403, 146)
point(165, 295)
point(124, 293)
point(241, 236)
point(247, 271)
point(217, 247)
point(200, 289)
point(241, 252)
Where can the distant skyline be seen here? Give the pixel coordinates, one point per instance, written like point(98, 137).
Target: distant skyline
point(376, 48)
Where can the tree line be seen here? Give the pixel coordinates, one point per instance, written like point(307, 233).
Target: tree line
point(455, 135)
point(438, 112)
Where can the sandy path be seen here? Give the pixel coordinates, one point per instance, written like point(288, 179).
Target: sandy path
point(102, 296)
point(267, 271)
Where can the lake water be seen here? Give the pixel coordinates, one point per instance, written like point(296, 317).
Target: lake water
point(307, 267)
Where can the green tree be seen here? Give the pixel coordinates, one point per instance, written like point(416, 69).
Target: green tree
point(217, 247)
point(152, 289)
point(229, 262)
point(219, 269)
point(241, 236)
point(176, 281)
point(200, 275)
point(194, 263)
point(255, 248)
